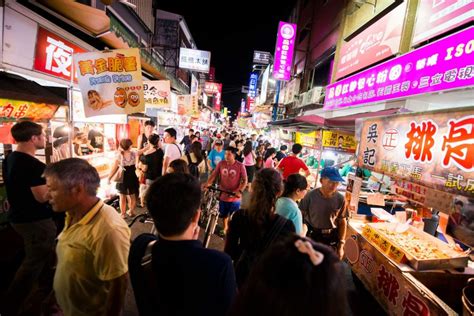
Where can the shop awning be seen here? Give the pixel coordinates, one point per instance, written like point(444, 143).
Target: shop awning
point(301, 121)
point(17, 88)
point(349, 120)
point(311, 119)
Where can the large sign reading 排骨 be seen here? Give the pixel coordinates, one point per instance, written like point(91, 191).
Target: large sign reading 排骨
point(433, 149)
point(442, 65)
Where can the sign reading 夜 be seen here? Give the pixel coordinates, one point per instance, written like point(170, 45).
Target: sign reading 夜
point(442, 65)
point(435, 150)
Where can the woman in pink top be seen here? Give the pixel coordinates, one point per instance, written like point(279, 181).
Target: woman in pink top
point(270, 158)
point(249, 162)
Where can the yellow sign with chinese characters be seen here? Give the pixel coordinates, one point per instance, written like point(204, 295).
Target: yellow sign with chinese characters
point(308, 139)
point(110, 82)
point(12, 110)
point(339, 141)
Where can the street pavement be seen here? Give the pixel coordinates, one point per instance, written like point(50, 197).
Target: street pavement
point(360, 300)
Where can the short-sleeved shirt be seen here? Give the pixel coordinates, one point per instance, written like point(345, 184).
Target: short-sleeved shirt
point(21, 172)
point(280, 155)
point(321, 212)
point(173, 152)
point(154, 162)
point(91, 253)
point(291, 165)
point(230, 178)
point(269, 163)
point(249, 160)
point(288, 208)
point(215, 157)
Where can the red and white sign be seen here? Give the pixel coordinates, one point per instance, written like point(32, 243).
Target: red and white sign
point(434, 17)
point(215, 89)
point(377, 42)
point(53, 54)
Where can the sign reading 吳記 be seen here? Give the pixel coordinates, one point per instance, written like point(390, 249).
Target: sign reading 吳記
point(111, 82)
point(435, 150)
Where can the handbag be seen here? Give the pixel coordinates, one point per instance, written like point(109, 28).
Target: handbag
point(118, 174)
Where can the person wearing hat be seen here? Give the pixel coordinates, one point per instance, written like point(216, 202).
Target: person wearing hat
point(325, 212)
point(216, 155)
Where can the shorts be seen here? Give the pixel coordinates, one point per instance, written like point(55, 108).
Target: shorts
point(250, 173)
point(226, 209)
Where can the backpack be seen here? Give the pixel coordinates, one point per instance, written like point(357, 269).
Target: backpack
point(193, 166)
point(249, 258)
point(142, 276)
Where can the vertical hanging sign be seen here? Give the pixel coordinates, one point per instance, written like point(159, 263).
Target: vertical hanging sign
point(284, 51)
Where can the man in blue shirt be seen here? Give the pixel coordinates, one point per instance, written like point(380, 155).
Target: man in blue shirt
point(216, 155)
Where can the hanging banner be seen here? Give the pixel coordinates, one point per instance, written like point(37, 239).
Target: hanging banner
point(436, 17)
point(53, 54)
point(284, 51)
point(194, 85)
point(253, 82)
point(13, 110)
point(111, 82)
point(435, 150)
point(310, 139)
point(157, 94)
point(193, 59)
point(377, 42)
point(188, 105)
point(442, 65)
point(338, 141)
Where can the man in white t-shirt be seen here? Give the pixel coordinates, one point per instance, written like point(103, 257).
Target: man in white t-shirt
point(172, 151)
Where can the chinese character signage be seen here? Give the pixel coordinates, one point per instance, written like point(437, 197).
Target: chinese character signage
point(261, 57)
point(263, 93)
point(194, 85)
point(284, 51)
point(111, 82)
point(377, 42)
point(188, 105)
point(215, 89)
point(53, 54)
point(193, 59)
point(13, 110)
point(435, 150)
point(435, 17)
point(308, 139)
point(157, 94)
point(442, 65)
point(339, 141)
point(253, 85)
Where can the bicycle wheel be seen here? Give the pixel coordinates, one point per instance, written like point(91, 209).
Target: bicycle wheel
point(210, 230)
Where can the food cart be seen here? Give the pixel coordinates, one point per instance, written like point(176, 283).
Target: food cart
point(429, 157)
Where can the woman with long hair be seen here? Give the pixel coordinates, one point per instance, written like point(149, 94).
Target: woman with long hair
point(178, 166)
point(253, 229)
point(128, 187)
point(269, 158)
point(294, 277)
point(296, 188)
point(196, 158)
point(249, 161)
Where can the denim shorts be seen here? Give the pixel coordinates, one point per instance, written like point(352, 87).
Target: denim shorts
point(228, 208)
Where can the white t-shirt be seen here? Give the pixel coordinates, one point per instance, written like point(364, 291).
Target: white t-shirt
point(173, 152)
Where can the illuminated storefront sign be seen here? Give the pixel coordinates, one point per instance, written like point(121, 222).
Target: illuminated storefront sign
point(284, 51)
point(193, 59)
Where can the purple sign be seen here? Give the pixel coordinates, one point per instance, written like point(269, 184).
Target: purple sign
point(442, 65)
point(284, 51)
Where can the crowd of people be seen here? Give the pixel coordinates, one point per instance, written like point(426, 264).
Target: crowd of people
point(282, 249)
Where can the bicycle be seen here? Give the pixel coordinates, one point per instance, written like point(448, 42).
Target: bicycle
point(210, 212)
point(144, 218)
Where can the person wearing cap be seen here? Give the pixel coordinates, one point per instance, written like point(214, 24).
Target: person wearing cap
point(216, 155)
point(325, 212)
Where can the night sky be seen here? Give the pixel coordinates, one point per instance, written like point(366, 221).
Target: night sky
point(232, 30)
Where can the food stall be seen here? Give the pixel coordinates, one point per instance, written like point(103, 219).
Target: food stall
point(417, 269)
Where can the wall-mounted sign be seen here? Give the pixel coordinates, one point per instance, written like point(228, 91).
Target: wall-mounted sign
point(260, 57)
point(339, 141)
point(311, 139)
point(194, 84)
point(53, 54)
point(13, 110)
point(263, 93)
point(157, 94)
point(435, 150)
point(435, 17)
point(214, 89)
point(188, 105)
point(375, 43)
point(111, 82)
point(193, 59)
point(442, 65)
point(284, 51)
point(253, 85)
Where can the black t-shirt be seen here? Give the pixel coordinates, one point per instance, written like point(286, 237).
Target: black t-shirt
point(280, 155)
point(154, 161)
point(191, 280)
point(21, 172)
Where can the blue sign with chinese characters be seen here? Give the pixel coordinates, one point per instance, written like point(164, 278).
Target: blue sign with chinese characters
point(253, 85)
